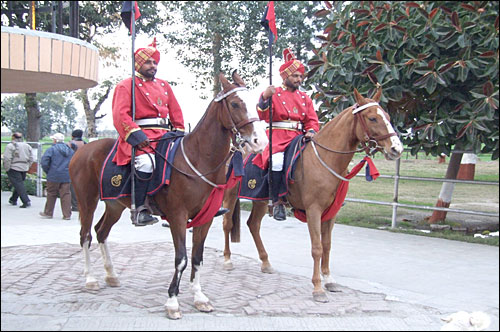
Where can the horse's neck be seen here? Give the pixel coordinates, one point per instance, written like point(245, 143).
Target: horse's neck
point(338, 135)
point(209, 142)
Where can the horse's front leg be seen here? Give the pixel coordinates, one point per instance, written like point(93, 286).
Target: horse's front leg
point(201, 302)
point(111, 277)
point(314, 225)
point(178, 230)
point(230, 198)
point(259, 209)
point(326, 242)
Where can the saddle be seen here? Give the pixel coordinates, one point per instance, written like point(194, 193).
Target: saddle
point(115, 180)
point(255, 182)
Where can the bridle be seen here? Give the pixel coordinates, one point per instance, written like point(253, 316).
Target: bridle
point(370, 144)
point(235, 128)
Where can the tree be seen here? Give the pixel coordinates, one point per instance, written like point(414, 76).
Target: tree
point(55, 111)
point(222, 34)
point(437, 62)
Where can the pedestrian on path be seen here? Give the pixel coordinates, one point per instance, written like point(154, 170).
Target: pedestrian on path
point(55, 163)
point(75, 143)
point(17, 159)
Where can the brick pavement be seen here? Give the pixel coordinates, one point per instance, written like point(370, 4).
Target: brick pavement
point(47, 280)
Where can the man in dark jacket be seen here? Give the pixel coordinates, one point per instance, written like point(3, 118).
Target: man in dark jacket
point(55, 163)
point(75, 143)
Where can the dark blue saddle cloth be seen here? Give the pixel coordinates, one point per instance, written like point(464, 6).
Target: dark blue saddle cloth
point(115, 180)
point(255, 184)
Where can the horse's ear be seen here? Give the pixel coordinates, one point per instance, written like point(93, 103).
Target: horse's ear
point(223, 81)
point(358, 97)
point(237, 79)
point(378, 94)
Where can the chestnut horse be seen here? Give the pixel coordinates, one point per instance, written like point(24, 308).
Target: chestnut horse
point(319, 171)
point(196, 171)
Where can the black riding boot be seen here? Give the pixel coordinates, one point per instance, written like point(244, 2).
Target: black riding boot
point(279, 211)
point(141, 217)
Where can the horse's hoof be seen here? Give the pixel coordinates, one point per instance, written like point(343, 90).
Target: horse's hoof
point(92, 285)
point(228, 266)
point(173, 314)
point(267, 269)
point(204, 306)
point(320, 297)
point(331, 287)
point(112, 281)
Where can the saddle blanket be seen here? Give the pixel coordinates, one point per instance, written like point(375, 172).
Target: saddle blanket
point(115, 180)
point(255, 183)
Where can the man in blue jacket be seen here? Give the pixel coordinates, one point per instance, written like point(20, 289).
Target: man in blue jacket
point(55, 163)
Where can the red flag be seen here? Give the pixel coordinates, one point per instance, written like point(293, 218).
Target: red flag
point(126, 13)
point(268, 21)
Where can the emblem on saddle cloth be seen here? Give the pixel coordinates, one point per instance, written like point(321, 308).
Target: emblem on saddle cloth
point(116, 180)
point(252, 183)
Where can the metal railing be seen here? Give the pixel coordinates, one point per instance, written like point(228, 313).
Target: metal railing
point(395, 204)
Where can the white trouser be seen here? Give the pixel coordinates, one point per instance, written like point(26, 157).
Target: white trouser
point(145, 162)
point(278, 160)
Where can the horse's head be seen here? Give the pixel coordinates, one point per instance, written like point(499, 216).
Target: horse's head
point(376, 126)
point(237, 117)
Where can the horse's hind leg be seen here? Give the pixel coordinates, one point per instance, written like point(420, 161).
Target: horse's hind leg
point(326, 242)
point(259, 209)
point(87, 206)
point(201, 302)
point(109, 218)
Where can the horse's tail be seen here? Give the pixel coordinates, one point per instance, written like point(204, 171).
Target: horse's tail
point(235, 231)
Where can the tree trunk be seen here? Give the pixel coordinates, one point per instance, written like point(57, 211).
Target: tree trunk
point(446, 193)
point(89, 114)
point(33, 133)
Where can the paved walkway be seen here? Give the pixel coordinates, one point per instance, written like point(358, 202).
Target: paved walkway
point(388, 281)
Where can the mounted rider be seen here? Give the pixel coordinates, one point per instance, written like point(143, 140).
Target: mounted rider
point(293, 115)
point(155, 108)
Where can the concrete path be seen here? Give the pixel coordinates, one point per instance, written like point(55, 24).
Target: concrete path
point(388, 281)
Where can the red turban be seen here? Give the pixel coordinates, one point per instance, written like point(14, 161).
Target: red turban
point(291, 65)
point(143, 54)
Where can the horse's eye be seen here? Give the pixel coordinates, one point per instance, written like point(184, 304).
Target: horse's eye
point(235, 105)
point(373, 119)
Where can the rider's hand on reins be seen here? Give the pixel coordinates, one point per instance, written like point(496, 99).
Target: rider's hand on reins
point(143, 144)
point(309, 135)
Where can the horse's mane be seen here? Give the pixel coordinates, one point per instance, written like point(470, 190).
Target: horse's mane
point(338, 117)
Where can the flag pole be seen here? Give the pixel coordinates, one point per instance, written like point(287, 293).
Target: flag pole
point(132, 159)
point(269, 174)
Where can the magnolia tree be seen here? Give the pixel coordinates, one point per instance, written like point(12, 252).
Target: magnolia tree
point(437, 62)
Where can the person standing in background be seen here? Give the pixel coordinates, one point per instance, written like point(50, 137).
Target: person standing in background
point(17, 159)
point(75, 143)
point(55, 163)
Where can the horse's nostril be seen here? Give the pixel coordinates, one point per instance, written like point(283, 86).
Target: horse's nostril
point(256, 140)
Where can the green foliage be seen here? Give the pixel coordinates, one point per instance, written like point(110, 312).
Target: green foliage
point(58, 114)
point(225, 35)
point(437, 62)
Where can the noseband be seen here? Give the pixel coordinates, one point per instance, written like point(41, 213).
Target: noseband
point(238, 141)
point(369, 139)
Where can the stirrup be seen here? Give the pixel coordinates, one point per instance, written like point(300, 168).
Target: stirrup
point(141, 217)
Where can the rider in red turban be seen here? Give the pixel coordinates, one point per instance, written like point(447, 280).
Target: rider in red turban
point(293, 115)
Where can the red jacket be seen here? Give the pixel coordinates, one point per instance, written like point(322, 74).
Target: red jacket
point(153, 99)
point(287, 107)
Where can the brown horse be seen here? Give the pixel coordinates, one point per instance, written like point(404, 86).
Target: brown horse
point(196, 171)
point(319, 171)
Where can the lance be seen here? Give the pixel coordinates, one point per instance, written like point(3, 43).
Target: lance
point(132, 160)
point(269, 177)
